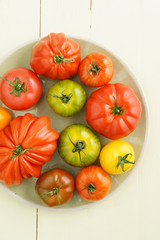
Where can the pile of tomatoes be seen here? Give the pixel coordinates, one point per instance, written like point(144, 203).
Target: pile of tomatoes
point(28, 142)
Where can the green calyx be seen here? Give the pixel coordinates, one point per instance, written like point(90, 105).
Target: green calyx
point(91, 188)
point(17, 87)
point(79, 146)
point(64, 97)
point(116, 110)
point(94, 69)
point(58, 59)
point(52, 193)
point(123, 160)
point(18, 151)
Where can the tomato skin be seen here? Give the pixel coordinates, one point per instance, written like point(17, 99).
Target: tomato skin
point(75, 134)
point(96, 70)
point(27, 144)
point(5, 118)
point(26, 99)
point(99, 111)
point(73, 91)
point(93, 175)
point(55, 178)
point(55, 44)
point(110, 153)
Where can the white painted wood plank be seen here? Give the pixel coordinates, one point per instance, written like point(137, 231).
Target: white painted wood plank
point(19, 23)
point(17, 220)
point(71, 17)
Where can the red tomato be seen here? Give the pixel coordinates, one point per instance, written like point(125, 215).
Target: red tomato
point(56, 56)
point(55, 187)
point(93, 183)
point(96, 70)
point(20, 89)
point(27, 144)
point(113, 111)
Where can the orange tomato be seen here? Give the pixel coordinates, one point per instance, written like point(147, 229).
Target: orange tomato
point(5, 118)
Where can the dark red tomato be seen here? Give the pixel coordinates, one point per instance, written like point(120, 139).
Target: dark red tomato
point(20, 89)
point(55, 187)
point(96, 70)
point(93, 183)
point(113, 111)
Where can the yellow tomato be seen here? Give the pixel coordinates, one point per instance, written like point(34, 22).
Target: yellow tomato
point(117, 157)
point(5, 118)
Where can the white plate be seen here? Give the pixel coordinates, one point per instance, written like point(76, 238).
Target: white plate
point(138, 139)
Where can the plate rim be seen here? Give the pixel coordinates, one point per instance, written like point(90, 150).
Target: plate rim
point(146, 138)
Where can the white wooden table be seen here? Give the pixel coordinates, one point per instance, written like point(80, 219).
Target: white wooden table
point(131, 30)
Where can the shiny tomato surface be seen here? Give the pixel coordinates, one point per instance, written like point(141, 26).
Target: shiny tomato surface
point(55, 187)
point(56, 56)
point(96, 70)
point(5, 118)
point(93, 183)
point(113, 111)
point(20, 89)
point(27, 144)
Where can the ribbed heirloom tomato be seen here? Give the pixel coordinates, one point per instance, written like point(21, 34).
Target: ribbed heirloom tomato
point(113, 111)
point(96, 70)
point(55, 187)
point(27, 144)
point(93, 183)
point(56, 56)
point(20, 89)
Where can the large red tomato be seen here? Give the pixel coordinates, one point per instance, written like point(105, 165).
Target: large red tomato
point(27, 144)
point(96, 70)
point(56, 56)
point(20, 89)
point(113, 110)
point(55, 187)
point(93, 183)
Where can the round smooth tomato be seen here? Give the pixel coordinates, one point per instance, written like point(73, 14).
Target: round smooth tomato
point(56, 56)
point(113, 111)
point(55, 187)
point(117, 157)
point(5, 118)
point(20, 89)
point(93, 183)
point(78, 145)
point(96, 70)
point(66, 97)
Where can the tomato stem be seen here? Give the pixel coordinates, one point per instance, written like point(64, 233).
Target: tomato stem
point(90, 187)
point(116, 110)
point(78, 147)
point(123, 160)
point(94, 69)
point(64, 98)
point(17, 87)
point(18, 151)
point(60, 58)
point(53, 192)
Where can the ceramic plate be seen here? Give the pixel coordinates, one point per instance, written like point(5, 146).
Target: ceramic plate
point(25, 192)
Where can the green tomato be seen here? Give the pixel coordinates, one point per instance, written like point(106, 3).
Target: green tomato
point(66, 98)
point(78, 145)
